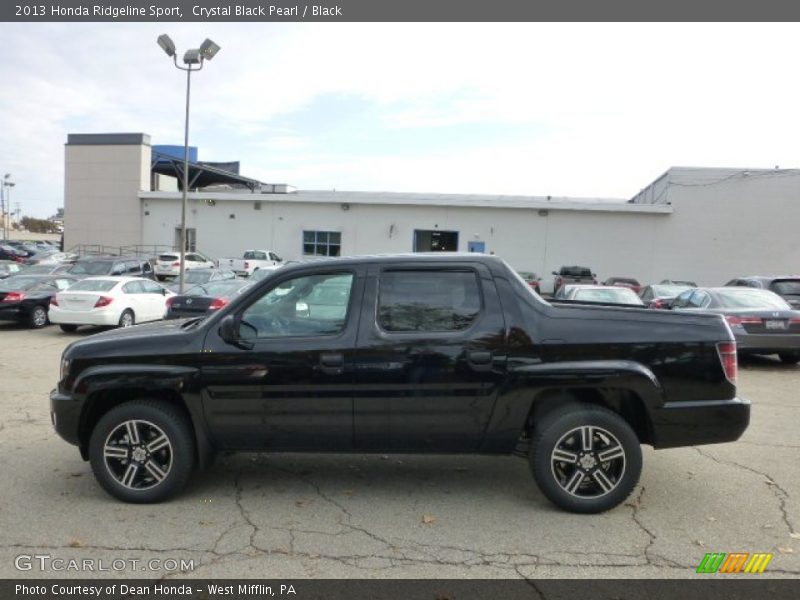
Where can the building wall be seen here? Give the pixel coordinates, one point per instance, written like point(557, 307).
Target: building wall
point(611, 243)
point(101, 185)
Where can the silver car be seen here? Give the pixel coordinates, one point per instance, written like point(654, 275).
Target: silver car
point(605, 294)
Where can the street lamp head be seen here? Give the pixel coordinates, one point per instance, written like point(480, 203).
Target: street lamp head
point(208, 49)
point(7, 175)
point(166, 43)
point(192, 57)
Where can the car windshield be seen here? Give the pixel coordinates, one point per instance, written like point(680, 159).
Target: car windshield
point(613, 296)
point(93, 285)
point(217, 288)
point(786, 287)
point(197, 276)
point(747, 298)
point(91, 268)
point(19, 283)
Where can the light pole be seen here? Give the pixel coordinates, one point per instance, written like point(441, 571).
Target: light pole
point(196, 57)
point(6, 197)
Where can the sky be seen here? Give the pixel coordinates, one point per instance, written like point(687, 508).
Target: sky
point(581, 110)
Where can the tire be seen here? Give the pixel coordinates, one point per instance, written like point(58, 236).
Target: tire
point(37, 318)
point(593, 485)
point(789, 358)
point(69, 328)
point(134, 472)
point(127, 318)
point(160, 278)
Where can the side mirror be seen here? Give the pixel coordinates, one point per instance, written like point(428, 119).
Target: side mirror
point(227, 329)
point(163, 291)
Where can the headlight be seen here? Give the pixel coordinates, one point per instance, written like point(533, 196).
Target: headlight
point(65, 362)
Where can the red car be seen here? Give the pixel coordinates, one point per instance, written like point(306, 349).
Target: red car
point(531, 279)
point(627, 282)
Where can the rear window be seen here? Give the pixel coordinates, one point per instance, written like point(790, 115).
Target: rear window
point(411, 301)
point(92, 268)
point(19, 283)
point(93, 285)
point(620, 296)
point(252, 255)
point(786, 287)
point(576, 272)
point(168, 257)
point(747, 298)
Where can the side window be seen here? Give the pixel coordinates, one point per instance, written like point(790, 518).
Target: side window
point(647, 295)
point(148, 287)
point(133, 266)
point(133, 287)
point(311, 305)
point(63, 284)
point(683, 300)
point(411, 301)
point(698, 300)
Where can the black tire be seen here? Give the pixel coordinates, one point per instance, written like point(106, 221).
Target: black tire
point(789, 358)
point(37, 318)
point(69, 328)
point(598, 485)
point(172, 462)
point(127, 318)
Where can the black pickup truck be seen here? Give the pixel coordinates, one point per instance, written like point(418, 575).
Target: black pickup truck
point(408, 353)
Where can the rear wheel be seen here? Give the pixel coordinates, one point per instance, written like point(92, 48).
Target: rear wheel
point(585, 458)
point(789, 358)
point(38, 317)
point(126, 319)
point(68, 328)
point(142, 451)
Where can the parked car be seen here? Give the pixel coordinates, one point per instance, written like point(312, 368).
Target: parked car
point(169, 263)
point(204, 299)
point(531, 279)
point(115, 266)
point(8, 252)
point(51, 257)
point(201, 276)
point(605, 294)
point(26, 298)
point(574, 274)
point(47, 269)
point(685, 282)
point(628, 282)
point(252, 261)
point(761, 321)
point(27, 249)
point(110, 301)
point(787, 287)
point(9, 268)
point(427, 354)
point(660, 296)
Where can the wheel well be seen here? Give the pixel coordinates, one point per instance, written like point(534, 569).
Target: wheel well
point(625, 403)
point(100, 402)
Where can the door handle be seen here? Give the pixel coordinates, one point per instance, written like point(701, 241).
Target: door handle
point(331, 363)
point(480, 360)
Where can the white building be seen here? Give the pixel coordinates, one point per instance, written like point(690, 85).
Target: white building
point(707, 225)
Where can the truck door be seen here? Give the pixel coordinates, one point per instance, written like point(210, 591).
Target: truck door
point(430, 357)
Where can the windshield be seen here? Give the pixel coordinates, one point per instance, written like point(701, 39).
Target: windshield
point(197, 276)
point(786, 287)
point(612, 296)
point(19, 283)
point(576, 272)
point(93, 285)
point(91, 268)
point(747, 298)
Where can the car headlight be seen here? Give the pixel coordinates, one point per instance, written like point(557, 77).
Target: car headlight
point(65, 363)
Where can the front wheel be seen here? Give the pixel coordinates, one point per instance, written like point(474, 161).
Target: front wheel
point(585, 458)
point(789, 358)
point(142, 451)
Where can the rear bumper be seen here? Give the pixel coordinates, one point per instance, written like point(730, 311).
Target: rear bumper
point(65, 414)
point(700, 422)
point(12, 313)
point(108, 317)
point(767, 342)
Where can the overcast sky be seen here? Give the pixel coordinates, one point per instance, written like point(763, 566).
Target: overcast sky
point(596, 110)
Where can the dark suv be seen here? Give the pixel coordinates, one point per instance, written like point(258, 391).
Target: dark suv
point(787, 287)
point(130, 266)
point(573, 274)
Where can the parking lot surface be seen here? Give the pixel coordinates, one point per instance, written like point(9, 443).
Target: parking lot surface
point(298, 516)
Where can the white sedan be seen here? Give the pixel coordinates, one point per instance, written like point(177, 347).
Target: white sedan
point(111, 301)
point(169, 264)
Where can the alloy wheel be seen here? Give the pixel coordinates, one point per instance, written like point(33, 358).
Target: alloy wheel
point(588, 462)
point(138, 454)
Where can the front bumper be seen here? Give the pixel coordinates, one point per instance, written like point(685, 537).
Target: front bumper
point(65, 413)
point(700, 422)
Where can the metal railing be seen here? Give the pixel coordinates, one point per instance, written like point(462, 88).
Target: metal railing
point(132, 250)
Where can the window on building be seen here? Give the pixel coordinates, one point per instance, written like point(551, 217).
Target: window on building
point(412, 301)
point(322, 243)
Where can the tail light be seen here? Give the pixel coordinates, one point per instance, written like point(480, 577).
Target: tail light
point(734, 320)
point(14, 297)
point(657, 303)
point(794, 320)
point(176, 264)
point(103, 301)
point(559, 281)
point(727, 356)
point(170, 300)
point(53, 301)
point(218, 303)
point(246, 265)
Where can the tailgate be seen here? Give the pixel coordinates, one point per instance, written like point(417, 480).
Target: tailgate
point(78, 301)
